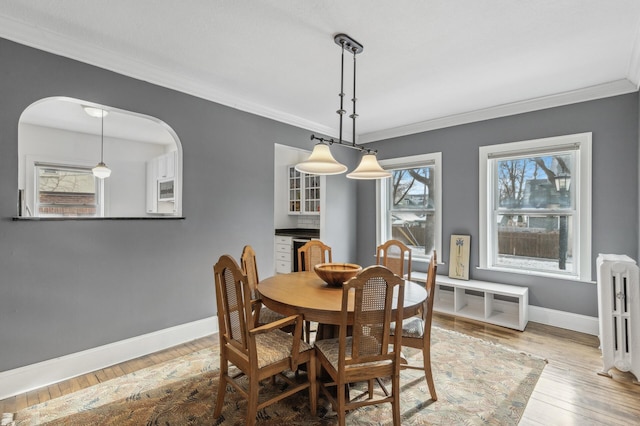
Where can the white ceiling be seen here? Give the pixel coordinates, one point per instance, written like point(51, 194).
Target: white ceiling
point(426, 64)
point(68, 114)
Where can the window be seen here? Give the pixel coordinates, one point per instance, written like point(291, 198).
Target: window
point(67, 191)
point(535, 206)
point(409, 204)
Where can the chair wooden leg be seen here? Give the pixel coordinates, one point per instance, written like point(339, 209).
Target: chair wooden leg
point(341, 401)
point(313, 386)
point(426, 356)
point(222, 388)
point(252, 403)
point(395, 402)
point(382, 386)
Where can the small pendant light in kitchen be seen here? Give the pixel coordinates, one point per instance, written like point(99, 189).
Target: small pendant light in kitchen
point(101, 170)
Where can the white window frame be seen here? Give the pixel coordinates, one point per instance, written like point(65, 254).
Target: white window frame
point(580, 182)
point(32, 182)
point(433, 159)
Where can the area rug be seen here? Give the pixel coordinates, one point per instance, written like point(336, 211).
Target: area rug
point(477, 382)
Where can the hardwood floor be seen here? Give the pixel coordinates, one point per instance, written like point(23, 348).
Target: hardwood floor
point(569, 391)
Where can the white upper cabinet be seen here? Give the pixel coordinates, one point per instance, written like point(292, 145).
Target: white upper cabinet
point(161, 184)
point(166, 165)
point(304, 192)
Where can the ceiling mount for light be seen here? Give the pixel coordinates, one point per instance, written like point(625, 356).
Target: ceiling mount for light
point(95, 112)
point(101, 171)
point(321, 162)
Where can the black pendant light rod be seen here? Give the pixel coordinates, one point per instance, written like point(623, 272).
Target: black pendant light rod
point(353, 100)
point(347, 42)
point(341, 111)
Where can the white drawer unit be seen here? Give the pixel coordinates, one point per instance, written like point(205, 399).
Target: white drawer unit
point(283, 254)
point(281, 239)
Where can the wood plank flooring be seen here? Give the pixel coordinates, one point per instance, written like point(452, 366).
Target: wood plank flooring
point(569, 392)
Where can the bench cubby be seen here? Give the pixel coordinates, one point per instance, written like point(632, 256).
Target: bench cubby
point(501, 304)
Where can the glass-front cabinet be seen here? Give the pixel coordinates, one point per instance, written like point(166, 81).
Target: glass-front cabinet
point(295, 190)
point(304, 192)
point(311, 193)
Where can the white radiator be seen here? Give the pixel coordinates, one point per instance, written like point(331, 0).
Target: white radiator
point(619, 313)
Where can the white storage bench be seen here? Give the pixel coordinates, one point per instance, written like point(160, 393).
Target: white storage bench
point(476, 300)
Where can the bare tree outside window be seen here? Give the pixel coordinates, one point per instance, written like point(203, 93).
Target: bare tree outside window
point(533, 211)
point(412, 210)
point(66, 191)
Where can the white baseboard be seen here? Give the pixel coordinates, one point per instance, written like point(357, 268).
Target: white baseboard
point(34, 376)
point(29, 377)
point(568, 320)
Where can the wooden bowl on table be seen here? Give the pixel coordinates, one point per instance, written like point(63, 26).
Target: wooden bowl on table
point(335, 274)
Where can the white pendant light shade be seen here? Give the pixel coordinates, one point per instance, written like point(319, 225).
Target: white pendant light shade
point(369, 169)
point(321, 162)
point(101, 171)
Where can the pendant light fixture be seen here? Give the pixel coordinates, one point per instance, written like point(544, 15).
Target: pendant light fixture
point(101, 171)
point(321, 162)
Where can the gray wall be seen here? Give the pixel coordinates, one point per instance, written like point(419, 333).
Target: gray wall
point(614, 123)
point(71, 285)
point(66, 286)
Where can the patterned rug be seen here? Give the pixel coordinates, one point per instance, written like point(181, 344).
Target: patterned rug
point(477, 383)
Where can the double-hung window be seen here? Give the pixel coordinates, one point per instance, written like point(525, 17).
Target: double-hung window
point(409, 204)
point(67, 191)
point(535, 206)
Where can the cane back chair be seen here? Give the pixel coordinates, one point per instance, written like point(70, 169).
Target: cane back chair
point(258, 352)
point(263, 315)
point(369, 352)
point(416, 331)
point(310, 254)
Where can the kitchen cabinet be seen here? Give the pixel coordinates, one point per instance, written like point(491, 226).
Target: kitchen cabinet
point(152, 186)
point(166, 165)
point(304, 192)
point(283, 250)
point(161, 171)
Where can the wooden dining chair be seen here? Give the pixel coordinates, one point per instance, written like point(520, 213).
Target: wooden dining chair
point(416, 331)
point(263, 315)
point(258, 352)
point(394, 254)
point(313, 253)
point(369, 351)
point(310, 254)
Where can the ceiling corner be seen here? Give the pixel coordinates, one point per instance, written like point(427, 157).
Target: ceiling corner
point(633, 73)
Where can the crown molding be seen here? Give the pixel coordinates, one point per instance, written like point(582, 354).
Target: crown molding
point(48, 41)
point(614, 88)
point(55, 43)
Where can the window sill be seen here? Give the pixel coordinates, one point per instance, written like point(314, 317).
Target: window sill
point(422, 260)
point(57, 219)
point(535, 273)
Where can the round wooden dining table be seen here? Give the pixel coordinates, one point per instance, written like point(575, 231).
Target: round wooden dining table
point(307, 294)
